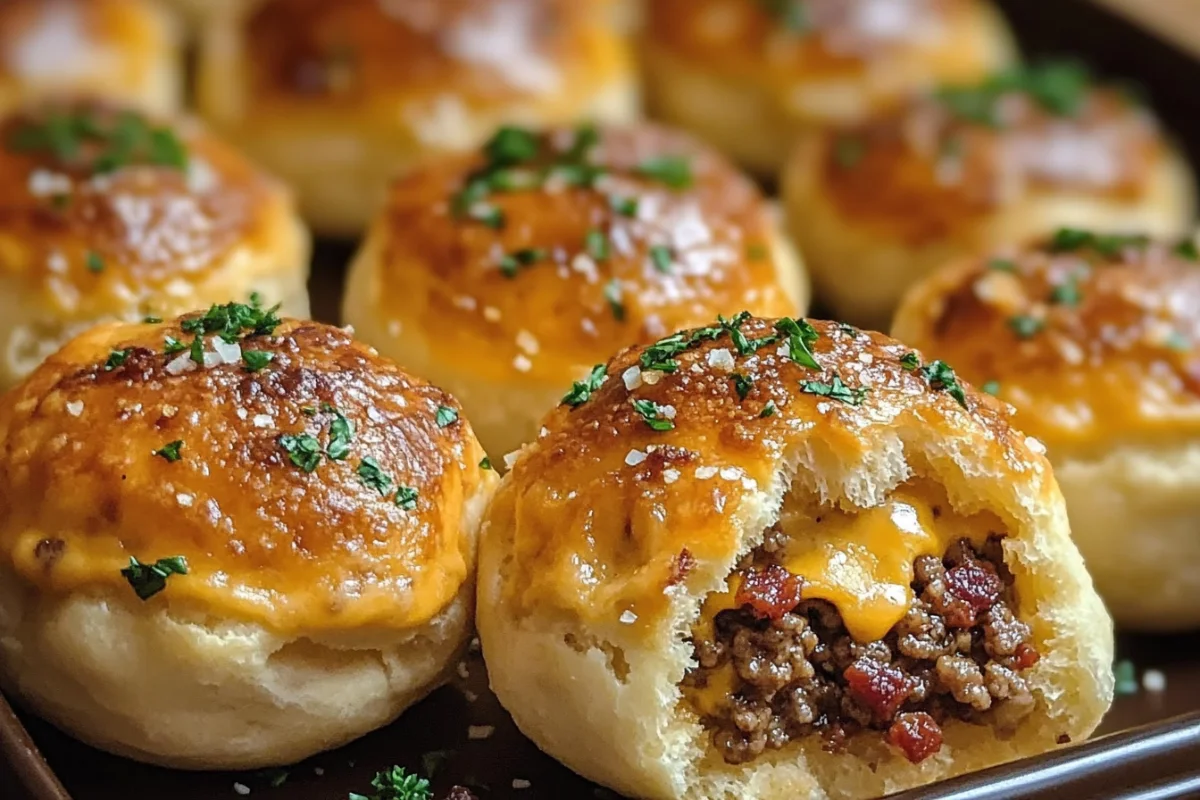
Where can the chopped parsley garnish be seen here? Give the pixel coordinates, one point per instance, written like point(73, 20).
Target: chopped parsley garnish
point(652, 414)
point(485, 463)
point(94, 262)
point(942, 378)
point(303, 449)
point(910, 361)
point(582, 391)
point(1187, 249)
point(170, 451)
point(446, 416)
point(835, 390)
point(768, 410)
point(612, 293)
point(1125, 675)
point(660, 257)
point(511, 145)
point(991, 387)
point(116, 359)
point(1177, 341)
point(1025, 327)
point(791, 14)
point(848, 151)
point(625, 206)
point(396, 784)
point(801, 335)
point(233, 320)
point(1067, 293)
point(487, 214)
point(151, 320)
point(406, 498)
point(1109, 245)
point(660, 355)
point(148, 580)
point(1060, 88)
point(373, 476)
point(849, 330)
point(172, 346)
point(513, 262)
point(673, 171)
point(75, 136)
point(742, 385)
point(257, 359)
point(596, 243)
point(1002, 265)
point(757, 252)
point(197, 350)
point(341, 435)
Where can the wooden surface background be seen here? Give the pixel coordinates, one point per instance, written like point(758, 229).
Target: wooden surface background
point(1178, 20)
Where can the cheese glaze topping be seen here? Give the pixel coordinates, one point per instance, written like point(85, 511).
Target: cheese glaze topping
point(439, 54)
point(97, 239)
point(1089, 347)
point(82, 489)
point(626, 257)
point(611, 514)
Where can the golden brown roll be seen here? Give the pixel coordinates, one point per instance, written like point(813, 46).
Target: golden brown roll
point(877, 207)
point(506, 274)
point(126, 51)
point(801, 562)
point(339, 97)
point(749, 75)
point(231, 541)
point(1095, 339)
point(107, 214)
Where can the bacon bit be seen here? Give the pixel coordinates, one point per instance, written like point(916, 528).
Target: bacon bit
point(916, 735)
point(879, 687)
point(681, 567)
point(1025, 656)
point(770, 592)
point(973, 587)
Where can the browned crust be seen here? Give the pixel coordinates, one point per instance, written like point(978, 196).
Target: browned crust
point(264, 540)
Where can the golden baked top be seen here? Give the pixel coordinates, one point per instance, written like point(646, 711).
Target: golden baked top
point(784, 39)
point(1092, 337)
point(543, 252)
point(963, 152)
point(369, 53)
point(662, 460)
point(43, 41)
point(308, 484)
point(100, 204)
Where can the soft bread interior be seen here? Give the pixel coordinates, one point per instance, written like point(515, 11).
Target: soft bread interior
point(622, 685)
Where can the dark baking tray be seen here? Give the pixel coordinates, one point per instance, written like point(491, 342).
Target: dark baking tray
point(436, 732)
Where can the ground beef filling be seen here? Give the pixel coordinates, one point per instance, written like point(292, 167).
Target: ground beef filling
point(958, 654)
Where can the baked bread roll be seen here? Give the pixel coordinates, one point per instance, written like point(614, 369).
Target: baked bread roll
point(879, 206)
point(1095, 339)
point(799, 563)
point(506, 274)
point(126, 51)
point(107, 214)
point(339, 97)
point(749, 75)
point(277, 556)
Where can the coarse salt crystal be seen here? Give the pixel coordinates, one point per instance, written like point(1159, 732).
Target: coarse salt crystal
point(544, 432)
point(522, 363)
point(465, 302)
point(511, 458)
point(462, 670)
point(1035, 445)
point(242, 413)
point(634, 457)
point(469, 696)
point(75, 408)
point(527, 342)
point(477, 732)
point(241, 789)
point(491, 313)
point(394, 328)
point(1154, 680)
point(721, 358)
point(521, 783)
point(43, 183)
point(651, 376)
point(226, 352)
point(667, 411)
point(670, 476)
point(318, 771)
point(730, 473)
point(262, 420)
point(632, 378)
point(704, 473)
point(181, 364)
point(628, 617)
point(184, 500)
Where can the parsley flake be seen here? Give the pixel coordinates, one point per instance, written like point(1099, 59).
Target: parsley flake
point(513, 262)
point(848, 151)
point(625, 206)
point(673, 171)
point(1187, 249)
point(768, 410)
point(991, 387)
point(94, 261)
point(257, 360)
point(742, 385)
point(485, 463)
point(172, 346)
point(910, 361)
point(1002, 265)
point(1025, 327)
point(661, 258)
point(148, 580)
point(1067, 293)
point(396, 784)
point(116, 359)
point(511, 145)
point(303, 450)
point(406, 498)
point(612, 293)
point(835, 390)
point(582, 391)
point(446, 416)
point(170, 451)
point(801, 335)
point(942, 378)
point(341, 435)
point(373, 476)
point(653, 415)
point(151, 320)
point(596, 243)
